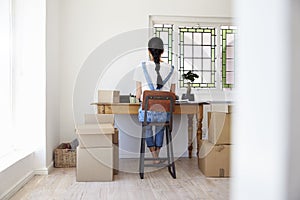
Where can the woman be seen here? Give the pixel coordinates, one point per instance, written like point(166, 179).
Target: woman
point(155, 75)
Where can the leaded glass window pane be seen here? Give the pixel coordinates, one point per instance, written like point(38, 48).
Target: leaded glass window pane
point(206, 38)
point(165, 32)
point(188, 64)
point(228, 34)
point(230, 65)
point(206, 52)
point(188, 51)
point(206, 77)
point(230, 51)
point(197, 53)
point(197, 39)
point(197, 63)
point(230, 77)
point(188, 38)
point(206, 64)
point(164, 36)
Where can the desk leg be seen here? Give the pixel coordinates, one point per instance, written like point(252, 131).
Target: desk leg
point(190, 134)
point(199, 117)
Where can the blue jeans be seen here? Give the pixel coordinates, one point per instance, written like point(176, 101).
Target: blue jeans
point(157, 140)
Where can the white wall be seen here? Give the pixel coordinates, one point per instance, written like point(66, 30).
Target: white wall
point(293, 175)
point(52, 79)
point(266, 129)
point(85, 25)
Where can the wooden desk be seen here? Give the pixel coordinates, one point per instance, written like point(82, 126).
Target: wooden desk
point(190, 109)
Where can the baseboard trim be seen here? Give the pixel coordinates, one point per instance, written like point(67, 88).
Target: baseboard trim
point(44, 171)
point(50, 167)
point(12, 191)
point(17, 186)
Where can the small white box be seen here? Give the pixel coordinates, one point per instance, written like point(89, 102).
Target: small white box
point(94, 164)
point(95, 135)
point(109, 96)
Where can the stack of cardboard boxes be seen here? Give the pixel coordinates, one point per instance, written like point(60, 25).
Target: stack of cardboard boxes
point(98, 152)
point(214, 155)
point(107, 118)
point(95, 152)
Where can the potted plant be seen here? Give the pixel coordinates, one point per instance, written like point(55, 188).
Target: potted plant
point(190, 76)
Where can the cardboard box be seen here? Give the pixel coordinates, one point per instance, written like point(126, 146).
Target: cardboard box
point(95, 135)
point(108, 96)
point(219, 127)
point(94, 164)
point(99, 119)
point(214, 160)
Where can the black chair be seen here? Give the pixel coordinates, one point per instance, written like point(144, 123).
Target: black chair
point(158, 101)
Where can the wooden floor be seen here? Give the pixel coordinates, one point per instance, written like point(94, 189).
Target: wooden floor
point(158, 184)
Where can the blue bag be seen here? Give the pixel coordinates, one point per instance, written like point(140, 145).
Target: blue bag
point(153, 116)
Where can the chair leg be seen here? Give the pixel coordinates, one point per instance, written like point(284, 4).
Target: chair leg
point(171, 163)
point(171, 166)
point(167, 145)
point(142, 153)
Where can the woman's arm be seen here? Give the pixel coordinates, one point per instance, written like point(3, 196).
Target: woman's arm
point(172, 89)
point(138, 91)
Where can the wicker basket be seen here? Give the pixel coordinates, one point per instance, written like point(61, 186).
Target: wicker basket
point(65, 156)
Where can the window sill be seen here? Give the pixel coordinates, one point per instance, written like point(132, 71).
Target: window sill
point(12, 157)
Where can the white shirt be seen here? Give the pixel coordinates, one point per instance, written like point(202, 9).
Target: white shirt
point(165, 69)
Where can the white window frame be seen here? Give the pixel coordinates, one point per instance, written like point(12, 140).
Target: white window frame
point(216, 22)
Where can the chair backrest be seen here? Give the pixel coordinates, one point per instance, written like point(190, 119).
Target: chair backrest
point(159, 101)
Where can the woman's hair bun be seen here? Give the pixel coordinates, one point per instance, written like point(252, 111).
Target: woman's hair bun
point(155, 43)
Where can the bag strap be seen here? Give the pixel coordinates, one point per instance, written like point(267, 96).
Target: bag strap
point(169, 75)
point(147, 76)
point(149, 79)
